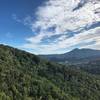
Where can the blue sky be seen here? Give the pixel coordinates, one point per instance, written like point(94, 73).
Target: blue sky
point(50, 26)
point(13, 32)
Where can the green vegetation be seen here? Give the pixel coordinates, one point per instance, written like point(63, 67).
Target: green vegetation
point(24, 76)
point(92, 67)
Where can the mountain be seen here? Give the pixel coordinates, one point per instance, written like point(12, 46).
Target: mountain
point(85, 59)
point(24, 76)
point(75, 56)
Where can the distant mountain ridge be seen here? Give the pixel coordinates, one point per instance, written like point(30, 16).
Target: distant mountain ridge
point(76, 55)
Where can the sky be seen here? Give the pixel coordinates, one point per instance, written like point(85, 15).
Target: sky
point(50, 26)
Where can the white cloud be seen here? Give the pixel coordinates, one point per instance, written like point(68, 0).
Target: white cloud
point(27, 21)
point(9, 35)
point(14, 16)
point(58, 15)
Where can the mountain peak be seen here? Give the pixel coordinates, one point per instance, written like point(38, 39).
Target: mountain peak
point(75, 49)
point(84, 49)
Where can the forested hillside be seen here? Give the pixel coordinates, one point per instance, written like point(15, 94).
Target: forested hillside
point(24, 76)
point(92, 67)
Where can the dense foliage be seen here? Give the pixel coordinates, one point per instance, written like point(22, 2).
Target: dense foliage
point(92, 67)
point(24, 76)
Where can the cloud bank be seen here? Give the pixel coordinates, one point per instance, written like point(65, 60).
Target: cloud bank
point(62, 25)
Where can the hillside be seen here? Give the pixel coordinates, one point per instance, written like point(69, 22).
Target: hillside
point(24, 76)
point(92, 66)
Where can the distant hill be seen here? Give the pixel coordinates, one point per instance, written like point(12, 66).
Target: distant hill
point(24, 76)
point(74, 56)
